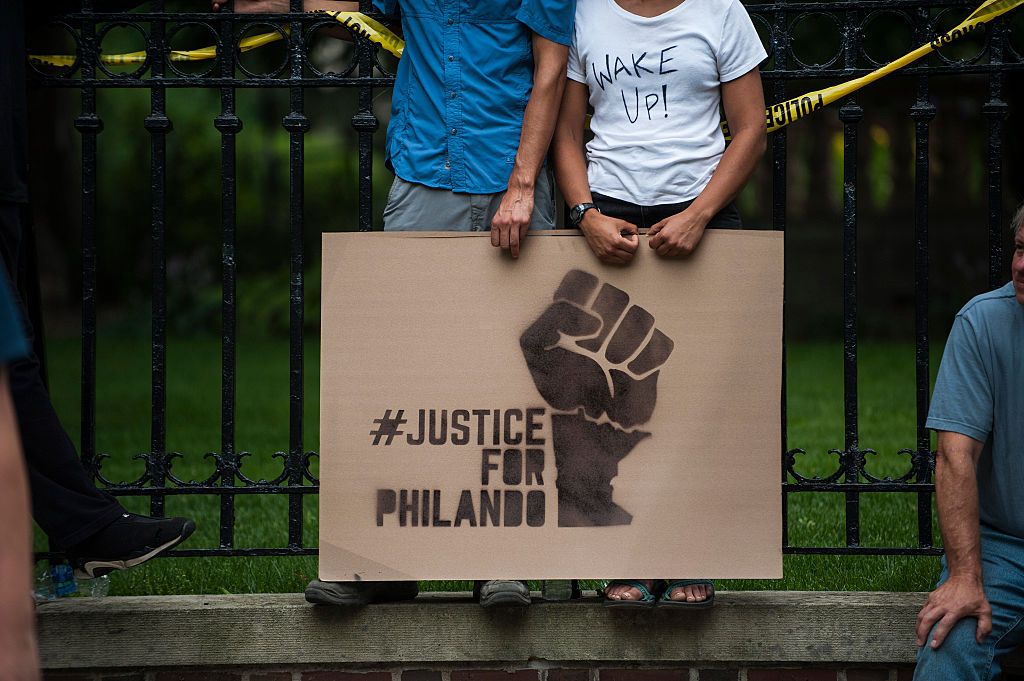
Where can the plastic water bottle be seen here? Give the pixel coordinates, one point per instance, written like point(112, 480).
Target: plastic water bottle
point(44, 587)
point(63, 577)
point(556, 589)
point(98, 587)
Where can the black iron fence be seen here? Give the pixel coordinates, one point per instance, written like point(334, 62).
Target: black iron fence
point(784, 74)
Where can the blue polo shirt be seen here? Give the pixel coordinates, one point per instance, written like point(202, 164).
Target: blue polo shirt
point(462, 86)
point(979, 392)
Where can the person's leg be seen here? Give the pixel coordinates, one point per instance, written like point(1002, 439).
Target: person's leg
point(413, 207)
point(65, 502)
point(88, 523)
point(960, 656)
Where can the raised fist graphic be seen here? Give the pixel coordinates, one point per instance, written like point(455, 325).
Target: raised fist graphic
point(594, 354)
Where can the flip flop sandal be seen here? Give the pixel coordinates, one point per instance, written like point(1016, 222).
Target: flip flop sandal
point(647, 599)
point(666, 595)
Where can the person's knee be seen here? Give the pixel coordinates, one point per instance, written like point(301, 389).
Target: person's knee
point(959, 657)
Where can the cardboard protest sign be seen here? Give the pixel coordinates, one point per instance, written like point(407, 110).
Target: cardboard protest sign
point(550, 417)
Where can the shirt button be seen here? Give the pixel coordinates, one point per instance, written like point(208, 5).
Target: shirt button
point(454, 131)
point(447, 165)
point(451, 21)
point(454, 95)
point(451, 58)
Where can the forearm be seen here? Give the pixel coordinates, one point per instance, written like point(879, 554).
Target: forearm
point(956, 498)
point(541, 112)
point(570, 163)
point(734, 169)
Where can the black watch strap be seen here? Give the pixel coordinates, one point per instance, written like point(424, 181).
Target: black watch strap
point(577, 212)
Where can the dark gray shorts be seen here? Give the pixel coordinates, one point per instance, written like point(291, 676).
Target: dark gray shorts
point(415, 207)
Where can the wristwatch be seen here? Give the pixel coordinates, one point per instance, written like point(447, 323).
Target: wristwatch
point(577, 212)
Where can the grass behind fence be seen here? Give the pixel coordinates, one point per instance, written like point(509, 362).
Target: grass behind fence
point(815, 410)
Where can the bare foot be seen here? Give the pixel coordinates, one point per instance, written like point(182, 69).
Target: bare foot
point(617, 591)
point(692, 593)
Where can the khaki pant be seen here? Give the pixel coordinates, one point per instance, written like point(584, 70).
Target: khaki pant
point(416, 207)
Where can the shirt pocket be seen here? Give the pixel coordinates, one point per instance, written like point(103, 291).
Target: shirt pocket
point(490, 10)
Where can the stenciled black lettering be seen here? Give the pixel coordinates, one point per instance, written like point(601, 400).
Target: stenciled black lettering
point(513, 508)
point(535, 508)
point(511, 439)
point(420, 437)
point(425, 507)
point(438, 428)
point(460, 431)
point(512, 467)
point(661, 66)
point(466, 513)
point(436, 519)
point(386, 499)
point(490, 507)
point(407, 506)
point(496, 427)
point(534, 466)
point(486, 465)
point(533, 425)
point(480, 414)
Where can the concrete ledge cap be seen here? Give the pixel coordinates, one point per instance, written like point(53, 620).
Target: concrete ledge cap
point(757, 627)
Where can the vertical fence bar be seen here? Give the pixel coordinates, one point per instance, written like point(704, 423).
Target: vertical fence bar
point(922, 112)
point(850, 114)
point(365, 123)
point(780, 46)
point(158, 125)
point(297, 124)
point(229, 126)
point(995, 111)
point(89, 125)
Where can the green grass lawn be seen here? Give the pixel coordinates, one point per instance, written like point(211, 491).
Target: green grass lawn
point(815, 409)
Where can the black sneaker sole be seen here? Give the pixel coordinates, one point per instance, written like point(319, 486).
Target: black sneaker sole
point(93, 568)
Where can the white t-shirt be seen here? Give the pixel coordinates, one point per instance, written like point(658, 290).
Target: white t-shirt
point(655, 89)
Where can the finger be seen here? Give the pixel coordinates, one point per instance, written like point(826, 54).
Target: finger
point(664, 249)
point(654, 355)
point(609, 306)
point(513, 242)
point(631, 332)
point(503, 235)
point(984, 625)
point(560, 318)
point(926, 619)
point(657, 227)
point(495, 235)
point(628, 244)
point(654, 240)
point(943, 628)
point(577, 286)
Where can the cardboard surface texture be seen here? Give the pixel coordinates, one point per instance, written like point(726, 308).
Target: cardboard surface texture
point(550, 417)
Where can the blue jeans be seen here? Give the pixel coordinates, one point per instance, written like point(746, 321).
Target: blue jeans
point(960, 656)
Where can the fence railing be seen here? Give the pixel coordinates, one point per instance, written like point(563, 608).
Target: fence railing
point(783, 74)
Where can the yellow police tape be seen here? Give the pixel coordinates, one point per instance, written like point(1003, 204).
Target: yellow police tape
point(359, 23)
point(782, 114)
point(777, 116)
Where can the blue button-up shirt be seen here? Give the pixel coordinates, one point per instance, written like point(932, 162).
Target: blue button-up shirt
point(462, 86)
